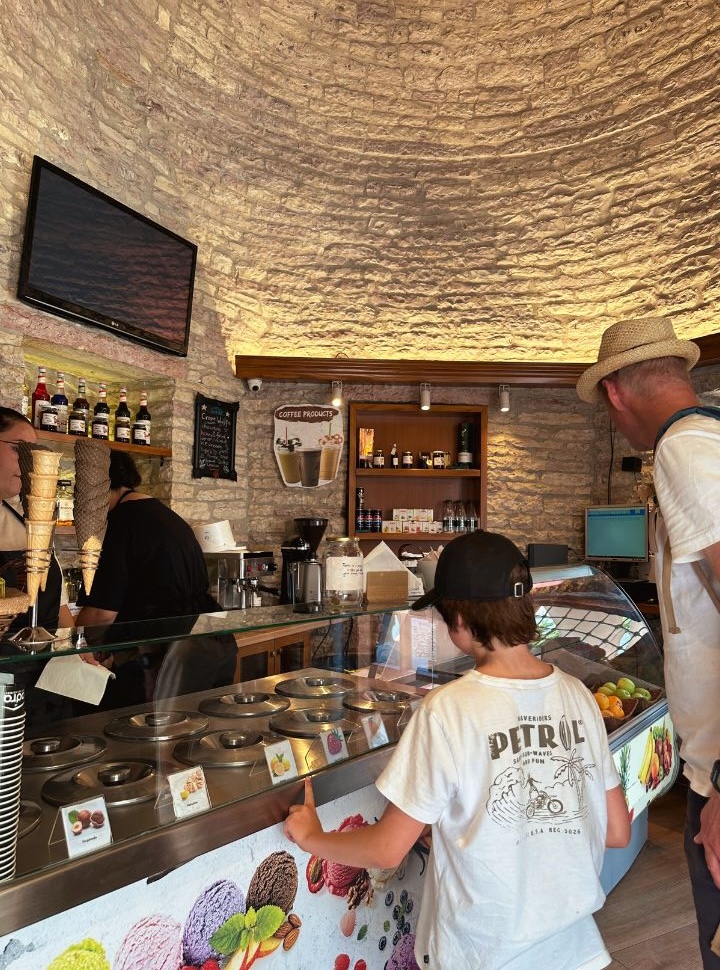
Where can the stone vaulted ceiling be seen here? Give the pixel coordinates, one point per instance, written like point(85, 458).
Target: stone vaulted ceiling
point(477, 181)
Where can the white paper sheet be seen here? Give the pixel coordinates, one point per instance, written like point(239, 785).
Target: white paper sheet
point(72, 677)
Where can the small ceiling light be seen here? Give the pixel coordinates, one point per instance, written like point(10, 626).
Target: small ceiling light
point(424, 397)
point(336, 398)
point(504, 396)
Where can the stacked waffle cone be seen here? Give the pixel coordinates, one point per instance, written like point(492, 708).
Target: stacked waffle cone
point(92, 499)
point(39, 473)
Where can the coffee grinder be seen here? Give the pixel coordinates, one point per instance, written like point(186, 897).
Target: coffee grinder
point(301, 577)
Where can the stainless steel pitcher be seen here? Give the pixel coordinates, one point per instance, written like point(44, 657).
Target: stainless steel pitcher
point(306, 581)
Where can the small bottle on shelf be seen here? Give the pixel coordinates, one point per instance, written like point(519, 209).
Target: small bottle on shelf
point(65, 502)
point(79, 416)
point(25, 399)
point(122, 419)
point(101, 416)
point(40, 399)
point(60, 402)
point(142, 423)
point(394, 457)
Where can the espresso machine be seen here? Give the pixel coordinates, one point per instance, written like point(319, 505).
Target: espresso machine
point(236, 577)
point(301, 577)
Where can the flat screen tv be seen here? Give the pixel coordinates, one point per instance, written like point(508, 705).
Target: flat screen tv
point(90, 258)
point(616, 533)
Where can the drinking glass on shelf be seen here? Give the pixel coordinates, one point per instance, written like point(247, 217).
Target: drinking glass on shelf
point(448, 515)
point(459, 518)
point(471, 517)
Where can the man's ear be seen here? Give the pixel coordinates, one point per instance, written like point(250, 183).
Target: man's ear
point(613, 393)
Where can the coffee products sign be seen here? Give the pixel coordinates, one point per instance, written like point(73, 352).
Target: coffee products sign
point(214, 444)
point(308, 444)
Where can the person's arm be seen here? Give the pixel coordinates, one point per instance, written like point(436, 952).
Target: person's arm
point(379, 846)
point(618, 823)
point(712, 554)
point(709, 835)
point(94, 616)
point(65, 617)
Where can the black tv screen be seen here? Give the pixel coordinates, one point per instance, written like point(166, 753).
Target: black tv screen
point(90, 258)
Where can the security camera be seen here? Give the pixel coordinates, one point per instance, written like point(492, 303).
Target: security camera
point(254, 384)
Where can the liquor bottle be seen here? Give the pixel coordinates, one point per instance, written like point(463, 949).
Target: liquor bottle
point(40, 399)
point(60, 402)
point(142, 424)
point(394, 457)
point(80, 414)
point(122, 419)
point(101, 416)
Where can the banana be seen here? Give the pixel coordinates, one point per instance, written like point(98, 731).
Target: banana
point(647, 758)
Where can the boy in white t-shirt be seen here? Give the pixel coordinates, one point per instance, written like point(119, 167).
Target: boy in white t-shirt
point(511, 767)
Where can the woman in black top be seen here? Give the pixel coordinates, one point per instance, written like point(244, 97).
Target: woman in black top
point(152, 567)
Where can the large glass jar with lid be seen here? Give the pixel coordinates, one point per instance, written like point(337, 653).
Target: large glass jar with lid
point(343, 574)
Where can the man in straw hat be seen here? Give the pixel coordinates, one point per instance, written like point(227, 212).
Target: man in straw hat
point(642, 377)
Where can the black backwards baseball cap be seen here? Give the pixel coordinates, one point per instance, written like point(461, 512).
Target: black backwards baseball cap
point(477, 566)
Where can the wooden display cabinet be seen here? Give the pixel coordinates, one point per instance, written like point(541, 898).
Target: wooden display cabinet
point(391, 488)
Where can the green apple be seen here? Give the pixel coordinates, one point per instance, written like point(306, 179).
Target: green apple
point(624, 683)
point(609, 683)
point(643, 693)
point(622, 694)
point(607, 689)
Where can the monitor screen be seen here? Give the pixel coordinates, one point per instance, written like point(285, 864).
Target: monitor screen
point(617, 533)
point(92, 259)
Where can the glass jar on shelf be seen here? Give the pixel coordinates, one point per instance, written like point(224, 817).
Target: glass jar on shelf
point(343, 574)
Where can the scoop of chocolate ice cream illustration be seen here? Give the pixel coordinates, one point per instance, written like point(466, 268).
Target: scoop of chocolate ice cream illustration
point(274, 883)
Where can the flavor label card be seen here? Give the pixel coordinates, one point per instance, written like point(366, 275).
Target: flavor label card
point(189, 792)
point(334, 746)
point(375, 730)
point(86, 826)
point(281, 762)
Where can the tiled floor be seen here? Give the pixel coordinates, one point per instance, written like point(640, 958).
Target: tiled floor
point(648, 921)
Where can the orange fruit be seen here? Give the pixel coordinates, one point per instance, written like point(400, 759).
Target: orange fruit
point(603, 701)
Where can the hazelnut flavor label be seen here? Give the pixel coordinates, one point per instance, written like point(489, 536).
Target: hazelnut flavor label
point(86, 826)
point(375, 730)
point(281, 762)
point(189, 792)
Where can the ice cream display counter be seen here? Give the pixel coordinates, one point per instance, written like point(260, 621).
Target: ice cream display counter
point(219, 886)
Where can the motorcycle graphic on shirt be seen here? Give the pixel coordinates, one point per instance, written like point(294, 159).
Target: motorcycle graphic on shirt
point(547, 781)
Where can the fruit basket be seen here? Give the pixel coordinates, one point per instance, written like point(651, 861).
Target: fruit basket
point(642, 703)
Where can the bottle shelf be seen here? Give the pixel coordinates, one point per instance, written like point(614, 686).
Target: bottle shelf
point(419, 473)
point(67, 442)
point(407, 537)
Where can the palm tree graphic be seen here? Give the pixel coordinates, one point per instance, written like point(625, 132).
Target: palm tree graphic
point(573, 771)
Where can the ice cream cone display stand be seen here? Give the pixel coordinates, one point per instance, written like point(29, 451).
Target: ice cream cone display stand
point(152, 834)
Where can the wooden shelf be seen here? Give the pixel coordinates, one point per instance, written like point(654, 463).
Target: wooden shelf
point(67, 443)
point(417, 431)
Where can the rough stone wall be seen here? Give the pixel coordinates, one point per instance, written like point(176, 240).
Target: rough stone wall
point(439, 180)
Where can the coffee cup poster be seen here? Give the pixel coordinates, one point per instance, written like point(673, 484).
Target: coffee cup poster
point(308, 444)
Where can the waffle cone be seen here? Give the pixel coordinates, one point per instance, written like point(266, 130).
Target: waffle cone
point(44, 486)
point(46, 462)
point(92, 490)
point(40, 509)
point(39, 534)
point(89, 558)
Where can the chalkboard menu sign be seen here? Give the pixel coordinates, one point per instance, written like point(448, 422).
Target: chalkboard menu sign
point(214, 444)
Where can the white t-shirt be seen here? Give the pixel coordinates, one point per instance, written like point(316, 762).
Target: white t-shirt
point(687, 482)
point(512, 775)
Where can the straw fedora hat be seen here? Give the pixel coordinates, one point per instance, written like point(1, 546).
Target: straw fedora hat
point(629, 342)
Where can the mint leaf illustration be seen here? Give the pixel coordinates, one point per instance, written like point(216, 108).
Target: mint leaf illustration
point(269, 920)
point(227, 938)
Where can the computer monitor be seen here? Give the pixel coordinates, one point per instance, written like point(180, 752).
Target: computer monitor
point(616, 533)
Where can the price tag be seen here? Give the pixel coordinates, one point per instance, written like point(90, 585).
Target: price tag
point(375, 730)
point(86, 826)
point(334, 746)
point(189, 792)
point(281, 762)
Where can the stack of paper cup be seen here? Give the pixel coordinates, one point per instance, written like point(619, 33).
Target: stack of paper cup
point(40, 520)
point(12, 728)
